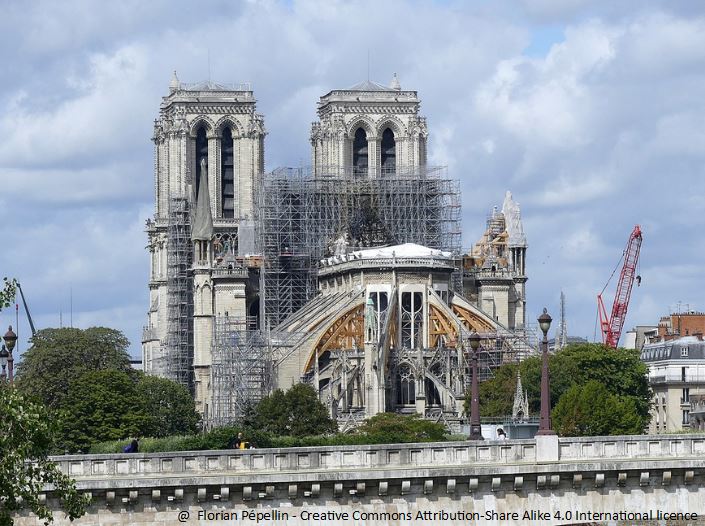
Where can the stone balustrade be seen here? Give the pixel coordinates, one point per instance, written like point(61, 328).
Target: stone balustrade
point(633, 473)
point(437, 455)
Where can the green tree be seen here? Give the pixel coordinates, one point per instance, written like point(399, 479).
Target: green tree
point(26, 435)
point(100, 406)
point(8, 292)
point(60, 356)
point(619, 370)
point(298, 412)
point(388, 428)
point(169, 407)
point(592, 410)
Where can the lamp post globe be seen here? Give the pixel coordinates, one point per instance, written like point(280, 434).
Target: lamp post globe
point(475, 426)
point(545, 422)
point(10, 339)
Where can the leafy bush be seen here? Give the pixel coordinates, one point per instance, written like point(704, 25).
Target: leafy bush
point(296, 412)
point(387, 428)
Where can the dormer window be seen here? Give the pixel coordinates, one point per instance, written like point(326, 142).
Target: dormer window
point(684, 352)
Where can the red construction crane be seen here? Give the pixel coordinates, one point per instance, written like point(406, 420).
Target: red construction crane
point(612, 327)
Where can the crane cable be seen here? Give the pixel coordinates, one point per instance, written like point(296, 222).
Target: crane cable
point(612, 275)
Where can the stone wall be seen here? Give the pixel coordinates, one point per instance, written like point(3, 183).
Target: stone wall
point(604, 474)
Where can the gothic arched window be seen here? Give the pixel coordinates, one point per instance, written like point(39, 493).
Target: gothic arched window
point(406, 386)
point(201, 153)
point(227, 181)
point(360, 152)
point(389, 152)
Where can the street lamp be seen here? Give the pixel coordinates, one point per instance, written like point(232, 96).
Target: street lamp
point(475, 427)
point(545, 424)
point(3, 363)
point(10, 340)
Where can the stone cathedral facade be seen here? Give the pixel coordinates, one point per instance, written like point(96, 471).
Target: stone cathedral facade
point(218, 258)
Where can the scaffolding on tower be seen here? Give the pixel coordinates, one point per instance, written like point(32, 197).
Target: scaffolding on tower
point(302, 215)
point(177, 348)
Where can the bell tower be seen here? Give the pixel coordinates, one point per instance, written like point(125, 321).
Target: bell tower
point(369, 130)
point(208, 159)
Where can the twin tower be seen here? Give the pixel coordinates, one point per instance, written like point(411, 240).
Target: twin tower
point(235, 251)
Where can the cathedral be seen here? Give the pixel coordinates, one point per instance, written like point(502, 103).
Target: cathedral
point(347, 274)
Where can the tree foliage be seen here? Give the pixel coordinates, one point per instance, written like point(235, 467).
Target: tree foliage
point(592, 410)
point(101, 405)
point(296, 412)
point(619, 370)
point(387, 428)
point(26, 434)
point(60, 356)
point(169, 407)
point(8, 292)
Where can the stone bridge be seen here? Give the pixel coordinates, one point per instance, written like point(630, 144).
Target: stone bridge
point(546, 480)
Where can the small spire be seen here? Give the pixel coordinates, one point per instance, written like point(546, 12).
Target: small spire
point(174, 84)
point(395, 83)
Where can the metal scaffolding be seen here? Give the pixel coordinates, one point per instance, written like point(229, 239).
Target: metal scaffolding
point(178, 344)
point(240, 371)
point(302, 216)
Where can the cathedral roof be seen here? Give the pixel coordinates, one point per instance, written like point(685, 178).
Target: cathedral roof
point(368, 85)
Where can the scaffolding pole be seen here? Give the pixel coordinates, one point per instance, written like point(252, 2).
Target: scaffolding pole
point(178, 344)
point(240, 371)
point(301, 216)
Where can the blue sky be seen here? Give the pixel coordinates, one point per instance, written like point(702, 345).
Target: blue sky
point(591, 113)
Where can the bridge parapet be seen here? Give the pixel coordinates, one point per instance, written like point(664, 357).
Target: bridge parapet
point(603, 474)
point(386, 456)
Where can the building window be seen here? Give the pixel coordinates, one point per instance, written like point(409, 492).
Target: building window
point(227, 165)
point(201, 154)
point(684, 351)
point(686, 417)
point(686, 396)
point(380, 301)
point(683, 374)
point(389, 152)
point(406, 387)
point(360, 154)
point(411, 319)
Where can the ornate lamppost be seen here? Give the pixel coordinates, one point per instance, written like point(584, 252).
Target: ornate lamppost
point(545, 423)
point(3, 364)
point(475, 427)
point(6, 360)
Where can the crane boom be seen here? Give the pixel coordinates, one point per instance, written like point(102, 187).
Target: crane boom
point(29, 316)
point(612, 327)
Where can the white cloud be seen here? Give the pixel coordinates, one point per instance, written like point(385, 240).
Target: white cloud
point(602, 132)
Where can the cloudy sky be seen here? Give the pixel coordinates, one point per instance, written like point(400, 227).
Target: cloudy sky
point(591, 112)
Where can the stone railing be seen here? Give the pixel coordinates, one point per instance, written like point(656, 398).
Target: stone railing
point(594, 473)
point(346, 263)
point(379, 457)
point(236, 272)
point(253, 461)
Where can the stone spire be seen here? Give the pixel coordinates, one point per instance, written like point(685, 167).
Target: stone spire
point(174, 84)
point(520, 411)
point(512, 219)
point(395, 83)
point(202, 227)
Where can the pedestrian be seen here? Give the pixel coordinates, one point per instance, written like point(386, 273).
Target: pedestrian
point(501, 435)
point(238, 442)
point(132, 447)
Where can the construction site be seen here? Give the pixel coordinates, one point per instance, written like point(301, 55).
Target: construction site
point(288, 293)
